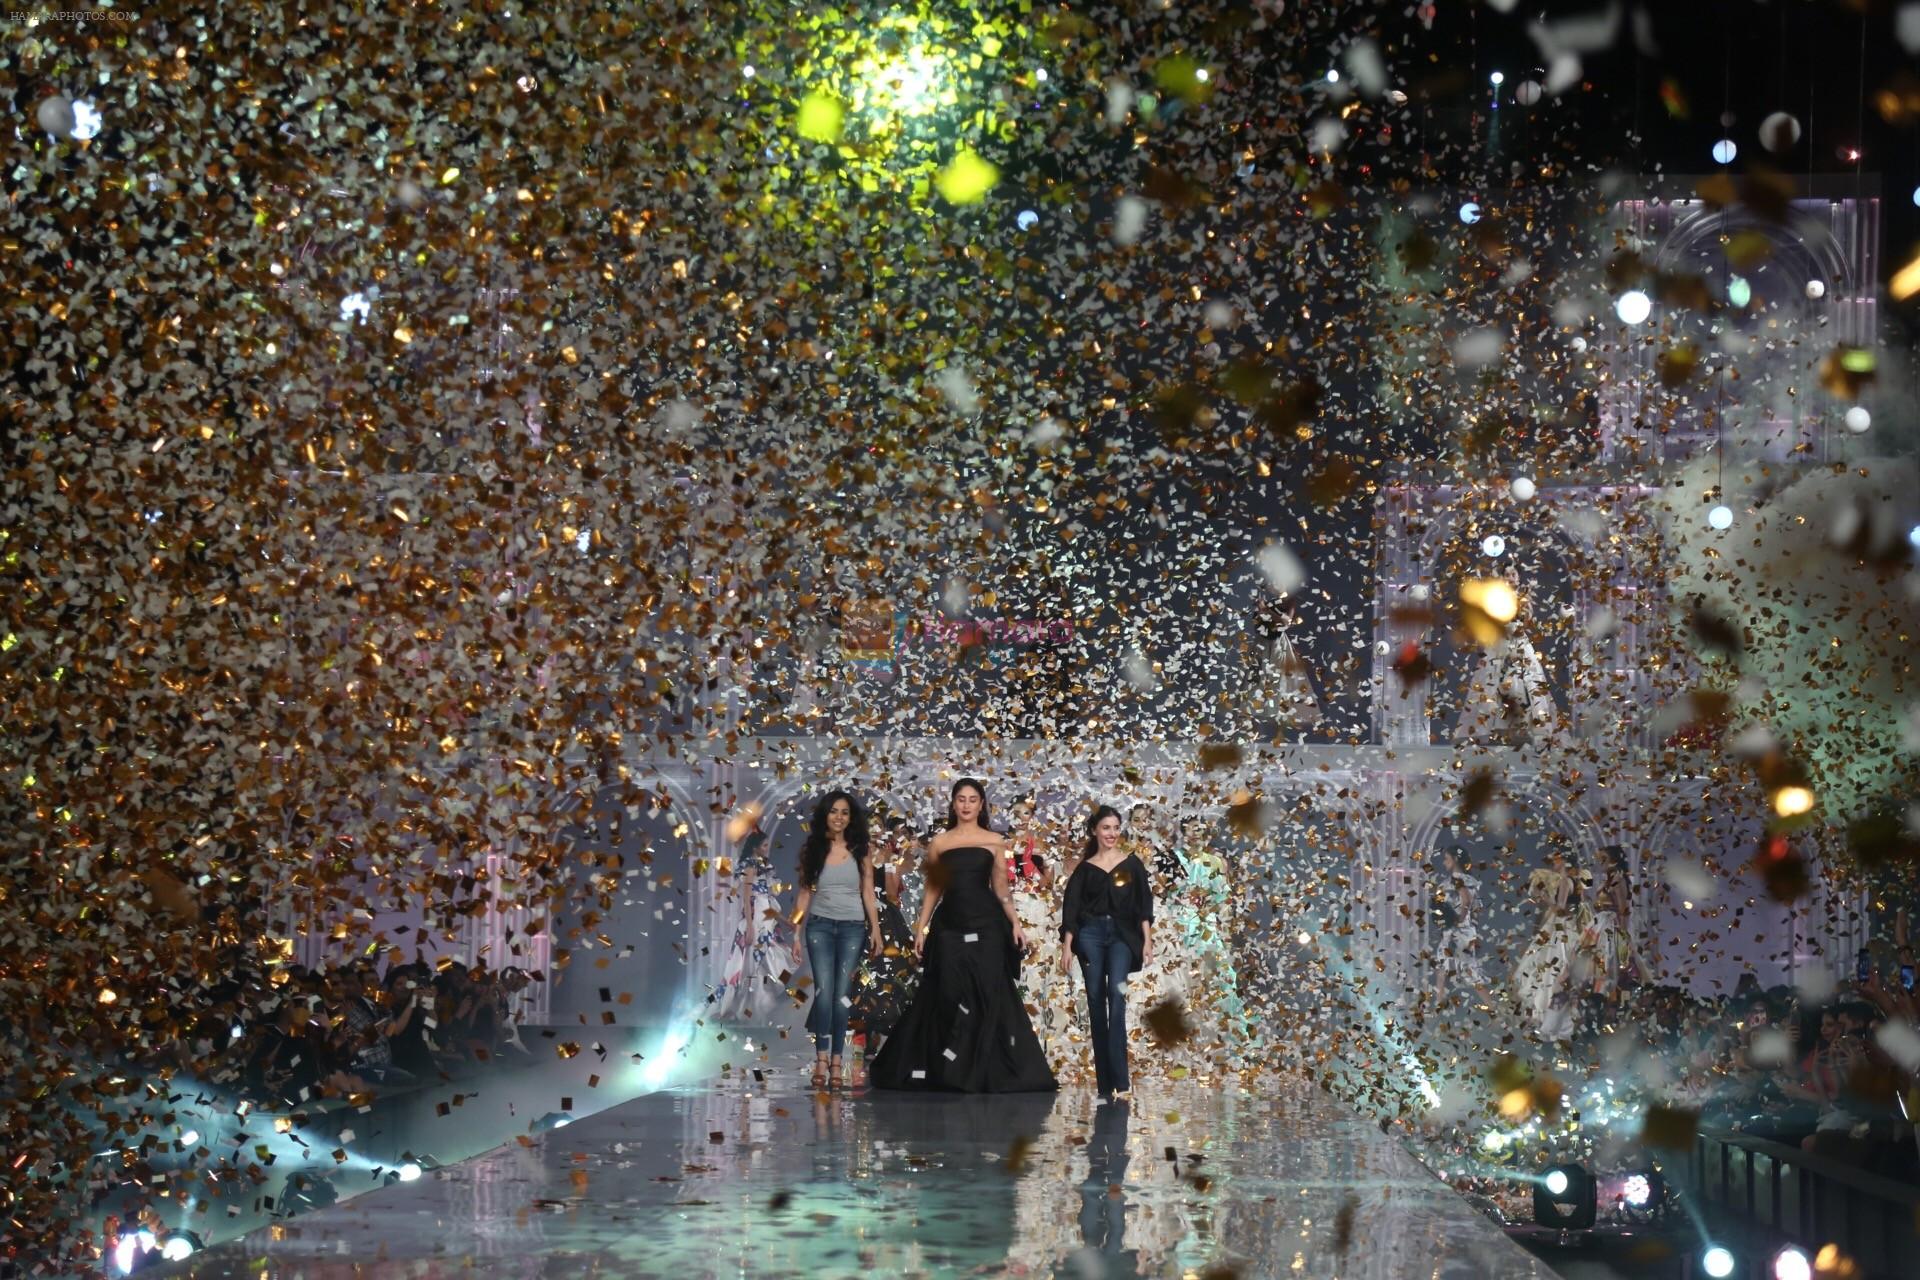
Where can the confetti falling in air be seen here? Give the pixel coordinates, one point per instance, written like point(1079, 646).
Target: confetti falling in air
point(418, 475)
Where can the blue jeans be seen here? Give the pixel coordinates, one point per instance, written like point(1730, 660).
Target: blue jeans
point(833, 950)
point(1103, 956)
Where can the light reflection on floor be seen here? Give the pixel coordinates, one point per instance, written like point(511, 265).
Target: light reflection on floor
point(745, 1178)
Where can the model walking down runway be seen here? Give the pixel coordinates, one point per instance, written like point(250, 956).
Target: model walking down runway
point(834, 913)
point(1545, 978)
point(966, 1030)
point(1107, 923)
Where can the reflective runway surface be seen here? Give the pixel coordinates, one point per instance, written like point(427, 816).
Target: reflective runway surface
point(759, 1178)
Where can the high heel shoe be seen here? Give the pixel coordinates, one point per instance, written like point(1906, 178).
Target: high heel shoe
point(819, 1079)
point(835, 1080)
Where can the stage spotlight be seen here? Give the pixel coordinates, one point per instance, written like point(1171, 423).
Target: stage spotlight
point(1913, 535)
point(1792, 1263)
point(1721, 517)
point(1717, 1262)
point(1633, 307)
point(86, 120)
point(1739, 292)
point(1725, 150)
point(1638, 1191)
point(135, 1251)
point(181, 1245)
point(552, 1120)
point(1498, 78)
point(409, 1172)
point(1494, 545)
point(1564, 1198)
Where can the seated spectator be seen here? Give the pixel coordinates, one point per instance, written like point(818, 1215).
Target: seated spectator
point(292, 1058)
point(506, 993)
point(463, 1012)
point(366, 1030)
point(409, 990)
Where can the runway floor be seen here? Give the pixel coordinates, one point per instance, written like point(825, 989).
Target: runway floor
point(747, 1177)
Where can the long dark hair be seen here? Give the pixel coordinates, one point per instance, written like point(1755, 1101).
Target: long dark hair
point(953, 819)
point(813, 854)
point(1093, 841)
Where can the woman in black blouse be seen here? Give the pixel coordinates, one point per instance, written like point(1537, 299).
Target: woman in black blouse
point(1107, 921)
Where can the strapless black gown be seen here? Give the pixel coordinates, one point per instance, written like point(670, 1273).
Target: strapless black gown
point(966, 1030)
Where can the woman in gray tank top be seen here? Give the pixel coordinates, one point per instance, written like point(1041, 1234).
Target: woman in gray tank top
point(834, 911)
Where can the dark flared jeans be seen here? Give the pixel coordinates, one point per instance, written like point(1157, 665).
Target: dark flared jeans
point(1103, 957)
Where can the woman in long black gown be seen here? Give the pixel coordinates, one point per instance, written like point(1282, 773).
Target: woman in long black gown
point(967, 1030)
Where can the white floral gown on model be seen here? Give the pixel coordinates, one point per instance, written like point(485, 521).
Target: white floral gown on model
point(1545, 978)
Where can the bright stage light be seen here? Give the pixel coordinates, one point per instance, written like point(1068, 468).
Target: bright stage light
point(1202, 75)
point(1026, 220)
point(1717, 1262)
point(1498, 78)
point(1565, 1198)
point(86, 120)
point(1333, 76)
point(908, 84)
point(1739, 292)
point(1637, 1191)
point(1470, 212)
point(355, 305)
point(132, 1250)
point(409, 1172)
point(1633, 307)
point(1725, 150)
point(1721, 517)
point(1791, 802)
point(1913, 536)
point(655, 1073)
point(1494, 545)
point(1792, 1263)
point(1492, 596)
point(177, 1249)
